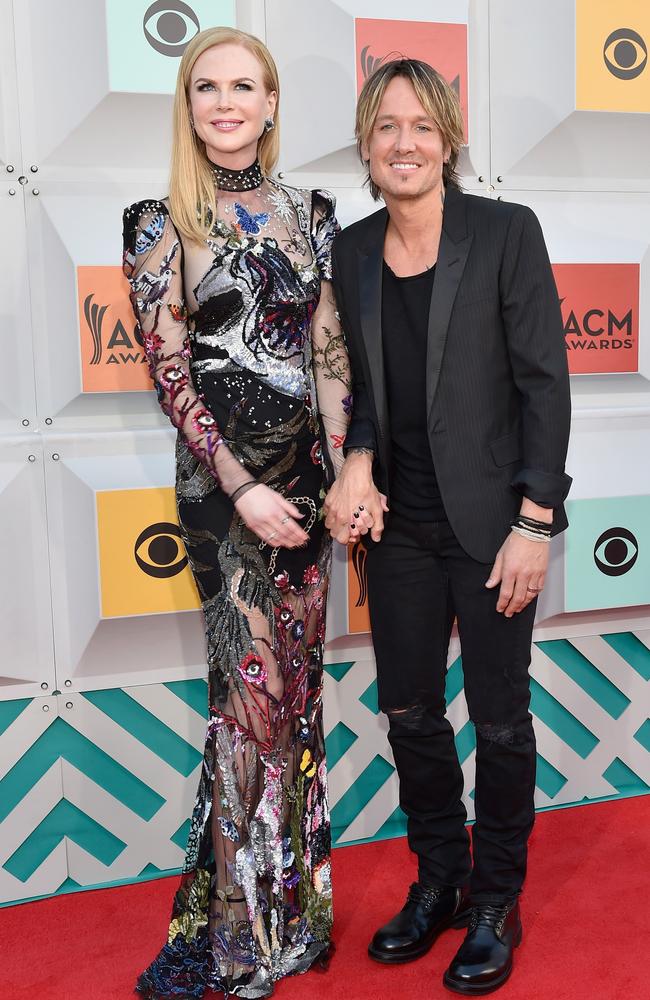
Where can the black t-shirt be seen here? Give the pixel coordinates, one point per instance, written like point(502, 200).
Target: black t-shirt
point(414, 489)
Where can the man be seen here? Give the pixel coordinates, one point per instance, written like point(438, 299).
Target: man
point(460, 426)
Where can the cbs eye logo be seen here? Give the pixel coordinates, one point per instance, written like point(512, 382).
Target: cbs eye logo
point(163, 556)
point(625, 54)
point(616, 551)
point(169, 26)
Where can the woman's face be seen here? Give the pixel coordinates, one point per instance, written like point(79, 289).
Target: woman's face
point(228, 103)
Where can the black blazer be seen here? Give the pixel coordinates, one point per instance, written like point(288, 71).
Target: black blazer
point(497, 382)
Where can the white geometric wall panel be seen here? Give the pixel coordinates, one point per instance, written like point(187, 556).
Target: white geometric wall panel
point(110, 775)
point(320, 52)
point(17, 399)
point(26, 644)
point(9, 128)
point(94, 649)
point(563, 115)
point(605, 232)
point(84, 329)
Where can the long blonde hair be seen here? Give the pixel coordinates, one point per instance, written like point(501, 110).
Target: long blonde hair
point(192, 194)
point(439, 100)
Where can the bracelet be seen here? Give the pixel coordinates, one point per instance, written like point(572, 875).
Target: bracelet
point(532, 536)
point(530, 522)
point(360, 451)
point(243, 488)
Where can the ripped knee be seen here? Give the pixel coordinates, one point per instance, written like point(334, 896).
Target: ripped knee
point(493, 732)
point(410, 717)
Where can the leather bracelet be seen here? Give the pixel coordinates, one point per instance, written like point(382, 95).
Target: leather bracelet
point(533, 536)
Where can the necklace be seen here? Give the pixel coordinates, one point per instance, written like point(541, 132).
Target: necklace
point(238, 180)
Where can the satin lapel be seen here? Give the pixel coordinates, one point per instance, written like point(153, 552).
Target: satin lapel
point(452, 257)
point(370, 263)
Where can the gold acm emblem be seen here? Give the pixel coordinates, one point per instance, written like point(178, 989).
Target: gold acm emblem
point(142, 561)
point(612, 41)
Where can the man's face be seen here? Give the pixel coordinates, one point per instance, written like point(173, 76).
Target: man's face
point(405, 148)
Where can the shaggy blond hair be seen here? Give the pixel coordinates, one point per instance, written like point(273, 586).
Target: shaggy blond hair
point(438, 99)
point(192, 194)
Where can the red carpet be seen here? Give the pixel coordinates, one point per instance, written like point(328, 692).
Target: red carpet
point(585, 912)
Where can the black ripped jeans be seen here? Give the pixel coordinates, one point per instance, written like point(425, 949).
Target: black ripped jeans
point(419, 579)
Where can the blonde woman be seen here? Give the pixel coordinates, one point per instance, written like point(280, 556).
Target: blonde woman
point(230, 280)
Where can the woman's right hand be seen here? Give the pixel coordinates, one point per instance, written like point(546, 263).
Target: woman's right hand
point(271, 517)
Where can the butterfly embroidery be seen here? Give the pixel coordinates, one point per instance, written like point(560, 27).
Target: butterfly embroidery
point(149, 236)
point(248, 223)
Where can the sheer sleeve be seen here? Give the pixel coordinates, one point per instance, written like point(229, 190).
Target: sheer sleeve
point(153, 264)
point(330, 357)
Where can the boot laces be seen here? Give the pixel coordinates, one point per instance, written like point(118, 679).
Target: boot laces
point(489, 915)
point(426, 894)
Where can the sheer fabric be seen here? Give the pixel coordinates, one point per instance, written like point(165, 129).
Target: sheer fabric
point(247, 356)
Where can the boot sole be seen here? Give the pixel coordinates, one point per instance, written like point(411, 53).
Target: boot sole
point(476, 990)
point(402, 957)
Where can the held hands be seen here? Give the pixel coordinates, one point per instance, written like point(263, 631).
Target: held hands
point(271, 517)
point(520, 567)
point(354, 505)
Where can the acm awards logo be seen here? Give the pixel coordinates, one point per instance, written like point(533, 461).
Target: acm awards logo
point(358, 616)
point(112, 354)
point(443, 45)
point(600, 314)
point(142, 561)
point(616, 551)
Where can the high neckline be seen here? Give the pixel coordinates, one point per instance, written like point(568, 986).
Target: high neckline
point(238, 180)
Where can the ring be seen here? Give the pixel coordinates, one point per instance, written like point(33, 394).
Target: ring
point(534, 590)
point(272, 535)
point(285, 519)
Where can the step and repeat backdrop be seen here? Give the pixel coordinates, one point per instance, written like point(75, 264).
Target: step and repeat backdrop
point(102, 661)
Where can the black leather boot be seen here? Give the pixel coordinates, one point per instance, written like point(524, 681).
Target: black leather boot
point(484, 960)
point(428, 911)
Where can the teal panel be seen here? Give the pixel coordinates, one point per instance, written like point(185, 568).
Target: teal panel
point(149, 870)
point(643, 735)
point(454, 680)
point(560, 720)
point(465, 740)
point(146, 728)
point(61, 740)
point(583, 672)
point(623, 779)
point(10, 710)
point(193, 693)
point(370, 698)
point(359, 794)
point(148, 63)
point(633, 651)
point(548, 777)
point(181, 836)
point(338, 670)
point(338, 742)
point(65, 820)
point(395, 826)
point(594, 536)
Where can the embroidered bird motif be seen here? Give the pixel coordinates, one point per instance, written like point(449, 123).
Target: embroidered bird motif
point(150, 288)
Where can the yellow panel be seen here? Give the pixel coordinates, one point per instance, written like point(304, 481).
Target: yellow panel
point(612, 71)
point(142, 562)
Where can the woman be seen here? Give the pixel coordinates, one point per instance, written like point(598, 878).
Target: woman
point(230, 284)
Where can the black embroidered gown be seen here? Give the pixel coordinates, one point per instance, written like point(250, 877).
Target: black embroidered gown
point(248, 360)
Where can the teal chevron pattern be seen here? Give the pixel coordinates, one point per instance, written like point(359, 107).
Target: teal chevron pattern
point(100, 792)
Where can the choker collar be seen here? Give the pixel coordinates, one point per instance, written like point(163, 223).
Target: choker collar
point(238, 180)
